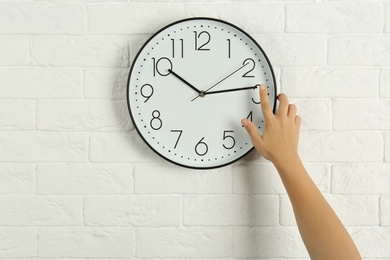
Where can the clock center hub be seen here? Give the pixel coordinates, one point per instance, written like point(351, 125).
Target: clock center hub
point(202, 94)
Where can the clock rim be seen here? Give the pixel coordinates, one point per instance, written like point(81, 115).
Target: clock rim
point(131, 70)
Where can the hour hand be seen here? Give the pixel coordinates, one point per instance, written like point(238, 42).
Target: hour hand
point(229, 90)
point(184, 81)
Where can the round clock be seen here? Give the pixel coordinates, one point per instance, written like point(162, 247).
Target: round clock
point(189, 87)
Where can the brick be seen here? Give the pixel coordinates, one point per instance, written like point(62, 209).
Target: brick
point(17, 115)
point(135, 44)
point(385, 211)
point(42, 18)
point(343, 147)
point(384, 84)
point(83, 115)
point(78, 1)
point(41, 83)
point(334, 18)
point(264, 179)
point(84, 179)
point(184, 242)
point(208, 258)
point(329, 82)
point(124, 147)
point(160, 179)
point(256, 179)
point(80, 51)
point(309, 111)
point(362, 114)
point(372, 242)
point(294, 50)
point(18, 242)
point(43, 147)
point(14, 50)
point(27, 210)
point(17, 178)
point(138, 211)
point(268, 242)
point(131, 18)
point(387, 17)
point(235, 210)
point(370, 179)
point(79, 242)
point(359, 50)
point(105, 83)
point(272, 15)
point(353, 210)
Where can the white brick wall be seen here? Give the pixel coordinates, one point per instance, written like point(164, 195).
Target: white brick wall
point(76, 181)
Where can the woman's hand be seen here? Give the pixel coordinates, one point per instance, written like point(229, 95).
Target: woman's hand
point(279, 141)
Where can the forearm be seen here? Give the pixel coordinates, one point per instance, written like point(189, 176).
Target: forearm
point(322, 232)
point(324, 235)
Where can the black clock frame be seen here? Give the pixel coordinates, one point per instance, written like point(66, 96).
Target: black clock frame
point(139, 52)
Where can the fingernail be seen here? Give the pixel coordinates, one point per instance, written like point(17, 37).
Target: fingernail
point(262, 87)
point(244, 122)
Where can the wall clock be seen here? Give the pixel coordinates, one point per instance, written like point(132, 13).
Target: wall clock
point(189, 87)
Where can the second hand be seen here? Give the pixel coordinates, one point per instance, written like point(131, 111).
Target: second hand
point(205, 92)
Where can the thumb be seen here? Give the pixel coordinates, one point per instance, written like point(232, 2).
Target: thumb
point(257, 140)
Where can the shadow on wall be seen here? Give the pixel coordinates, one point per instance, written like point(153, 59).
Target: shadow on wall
point(127, 142)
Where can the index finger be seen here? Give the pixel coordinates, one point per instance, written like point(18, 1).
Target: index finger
point(264, 100)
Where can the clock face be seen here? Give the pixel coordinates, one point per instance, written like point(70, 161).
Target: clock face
point(189, 87)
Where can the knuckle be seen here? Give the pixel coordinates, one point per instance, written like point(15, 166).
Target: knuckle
point(282, 96)
point(266, 105)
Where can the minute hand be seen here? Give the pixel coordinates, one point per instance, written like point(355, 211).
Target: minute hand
point(229, 90)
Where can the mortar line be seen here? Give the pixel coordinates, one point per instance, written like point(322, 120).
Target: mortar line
point(383, 18)
point(383, 147)
point(379, 211)
point(379, 82)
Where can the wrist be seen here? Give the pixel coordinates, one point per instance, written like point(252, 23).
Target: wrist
point(287, 162)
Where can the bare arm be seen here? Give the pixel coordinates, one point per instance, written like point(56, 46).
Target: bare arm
point(324, 235)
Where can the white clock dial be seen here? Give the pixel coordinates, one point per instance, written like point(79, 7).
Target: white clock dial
point(189, 87)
